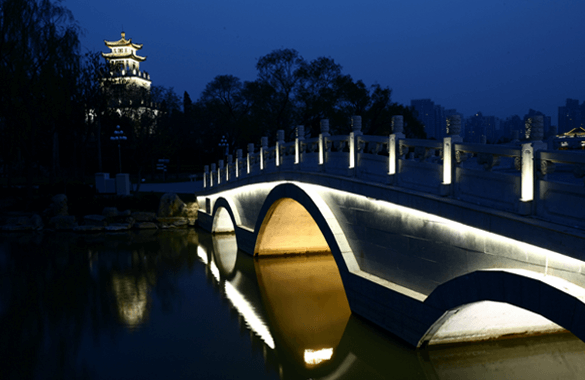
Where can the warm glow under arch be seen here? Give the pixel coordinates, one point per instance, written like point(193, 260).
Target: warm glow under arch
point(288, 228)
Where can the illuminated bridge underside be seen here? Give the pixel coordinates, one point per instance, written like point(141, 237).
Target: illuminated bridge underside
point(422, 277)
point(289, 229)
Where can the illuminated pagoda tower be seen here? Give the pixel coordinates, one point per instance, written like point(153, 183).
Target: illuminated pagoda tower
point(125, 63)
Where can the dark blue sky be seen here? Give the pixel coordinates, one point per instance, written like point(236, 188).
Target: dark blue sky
point(498, 57)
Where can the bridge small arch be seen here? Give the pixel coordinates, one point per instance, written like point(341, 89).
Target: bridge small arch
point(224, 220)
point(288, 228)
point(516, 294)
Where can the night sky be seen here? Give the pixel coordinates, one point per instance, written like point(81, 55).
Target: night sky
point(497, 57)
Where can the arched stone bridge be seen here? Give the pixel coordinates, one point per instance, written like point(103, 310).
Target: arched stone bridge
point(419, 254)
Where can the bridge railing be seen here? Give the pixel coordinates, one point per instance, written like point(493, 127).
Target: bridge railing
point(523, 178)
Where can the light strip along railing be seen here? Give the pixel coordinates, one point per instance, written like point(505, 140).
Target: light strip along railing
point(391, 159)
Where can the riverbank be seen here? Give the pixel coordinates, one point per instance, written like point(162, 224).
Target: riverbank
point(82, 210)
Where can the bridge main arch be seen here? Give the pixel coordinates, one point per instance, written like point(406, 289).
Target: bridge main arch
point(289, 209)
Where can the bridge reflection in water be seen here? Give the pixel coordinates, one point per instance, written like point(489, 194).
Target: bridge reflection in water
point(296, 306)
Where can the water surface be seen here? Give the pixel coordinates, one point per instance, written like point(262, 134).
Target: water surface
point(184, 305)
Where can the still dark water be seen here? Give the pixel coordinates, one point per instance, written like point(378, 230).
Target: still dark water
point(186, 305)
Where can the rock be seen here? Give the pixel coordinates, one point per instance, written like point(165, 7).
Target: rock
point(36, 221)
point(88, 228)
point(146, 226)
point(170, 205)
point(130, 220)
point(117, 227)
point(63, 222)
point(110, 212)
point(95, 220)
point(16, 227)
point(190, 210)
point(172, 222)
point(57, 207)
point(23, 222)
point(141, 216)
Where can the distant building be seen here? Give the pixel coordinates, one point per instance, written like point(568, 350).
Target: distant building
point(125, 63)
point(571, 116)
point(128, 86)
point(511, 124)
point(546, 122)
point(433, 117)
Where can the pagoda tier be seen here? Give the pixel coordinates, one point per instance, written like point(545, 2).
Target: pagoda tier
point(125, 63)
point(123, 42)
point(128, 55)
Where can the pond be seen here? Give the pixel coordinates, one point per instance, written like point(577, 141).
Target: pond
point(185, 304)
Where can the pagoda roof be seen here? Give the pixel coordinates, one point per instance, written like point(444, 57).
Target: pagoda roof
point(123, 42)
point(129, 55)
point(580, 132)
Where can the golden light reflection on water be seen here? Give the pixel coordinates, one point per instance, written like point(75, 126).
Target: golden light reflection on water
point(306, 304)
point(132, 299)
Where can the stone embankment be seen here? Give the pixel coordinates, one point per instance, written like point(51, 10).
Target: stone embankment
point(172, 213)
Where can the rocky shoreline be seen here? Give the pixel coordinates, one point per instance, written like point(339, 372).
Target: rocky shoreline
point(172, 213)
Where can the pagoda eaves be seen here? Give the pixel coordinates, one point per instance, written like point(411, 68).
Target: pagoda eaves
point(123, 42)
point(128, 55)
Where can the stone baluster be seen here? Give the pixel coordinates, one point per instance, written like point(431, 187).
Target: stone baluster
point(239, 155)
point(205, 176)
point(228, 167)
point(250, 157)
point(527, 179)
point(449, 152)
point(397, 133)
point(356, 127)
point(323, 140)
point(211, 174)
point(299, 141)
point(279, 145)
point(263, 148)
point(219, 169)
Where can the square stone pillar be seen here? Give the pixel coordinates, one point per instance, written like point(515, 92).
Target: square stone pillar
point(100, 181)
point(122, 184)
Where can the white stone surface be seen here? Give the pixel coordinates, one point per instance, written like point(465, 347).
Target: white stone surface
point(491, 320)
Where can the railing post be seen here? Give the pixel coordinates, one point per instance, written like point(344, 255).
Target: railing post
point(322, 140)
point(299, 139)
point(228, 167)
point(453, 130)
point(213, 169)
point(392, 154)
point(279, 144)
point(205, 176)
point(249, 157)
point(534, 133)
point(264, 143)
point(447, 166)
point(219, 169)
point(238, 162)
point(397, 129)
point(527, 179)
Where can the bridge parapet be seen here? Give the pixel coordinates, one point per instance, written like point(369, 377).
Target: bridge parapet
point(523, 179)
